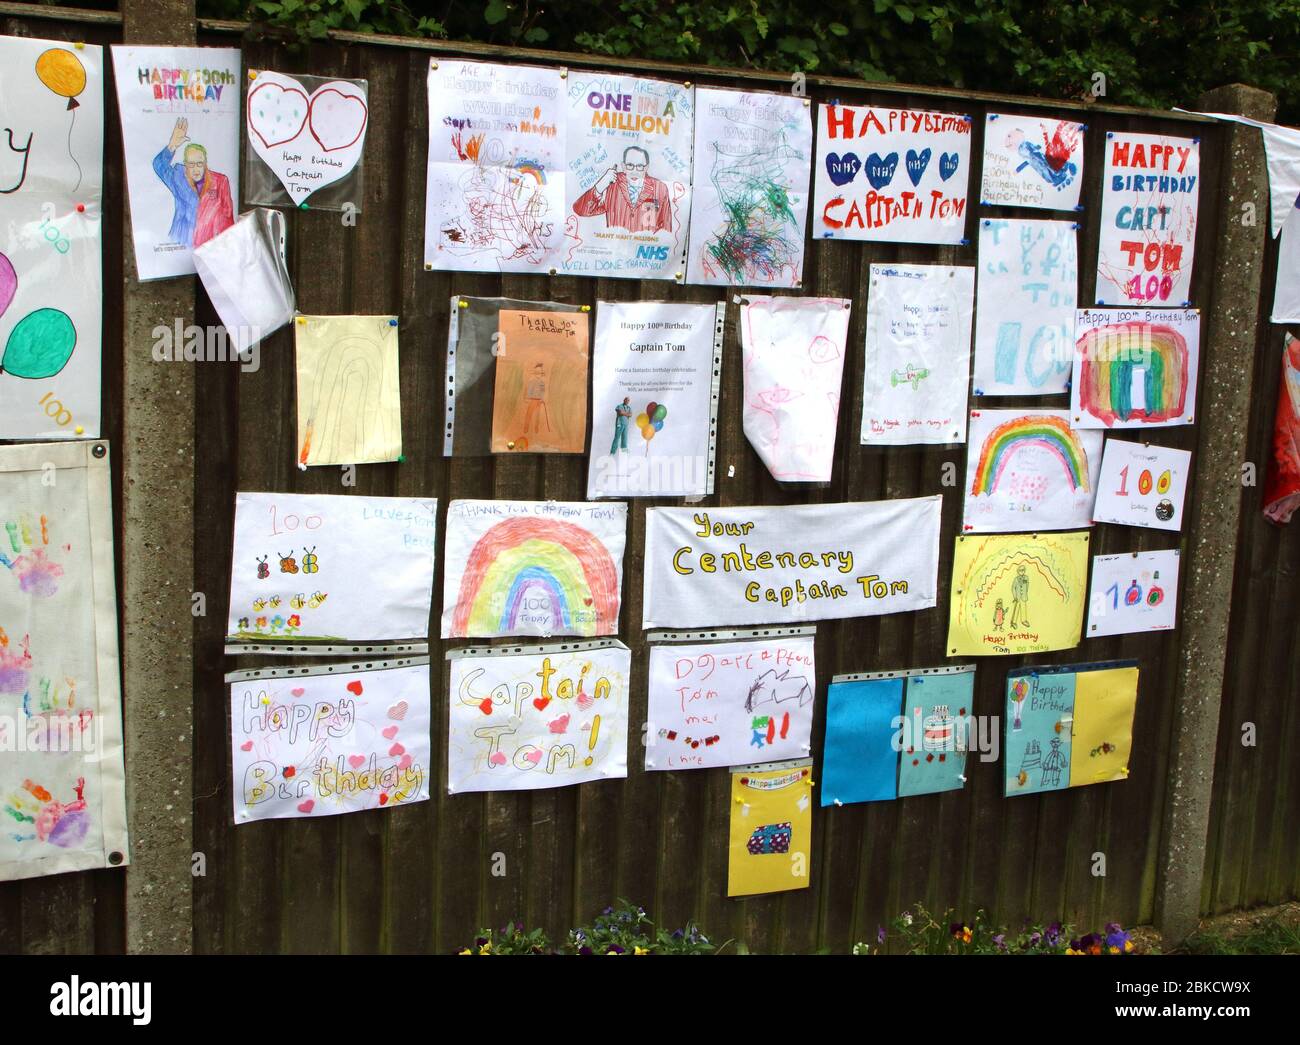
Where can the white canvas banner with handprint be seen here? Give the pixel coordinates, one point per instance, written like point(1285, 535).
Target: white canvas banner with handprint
point(655, 382)
point(180, 133)
point(1032, 161)
point(62, 785)
point(331, 568)
point(51, 280)
point(794, 362)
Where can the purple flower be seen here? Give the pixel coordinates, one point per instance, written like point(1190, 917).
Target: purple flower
point(614, 948)
point(999, 941)
point(1053, 932)
point(880, 934)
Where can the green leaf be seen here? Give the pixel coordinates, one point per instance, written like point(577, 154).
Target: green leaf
point(496, 12)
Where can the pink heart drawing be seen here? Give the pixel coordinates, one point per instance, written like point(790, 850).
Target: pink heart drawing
point(533, 756)
point(247, 745)
point(356, 761)
point(307, 806)
point(390, 732)
point(277, 113)
point(337, 120)
point(559, 725)
point(396, 750)
point(297, 691)
point(585, 700)
point(407, 760)
point(497, 758)
point(398, 711)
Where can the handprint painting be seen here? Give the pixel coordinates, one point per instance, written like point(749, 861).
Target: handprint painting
point(62, 796)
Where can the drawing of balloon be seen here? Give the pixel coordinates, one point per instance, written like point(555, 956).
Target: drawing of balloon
point(62, 72)
point(8, 284)
point(651, 422)
point(40, 345)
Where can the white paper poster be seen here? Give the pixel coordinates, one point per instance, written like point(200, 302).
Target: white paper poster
point(1137, 591)
point(793, 351)
point(918, 354)
point(1032, 161)
point(715, 567)
point(494, 199)
point(628, 176)
point(180, 133)
point(549, 716)
point(533, 568)
point(891, 175)
point(753, 162)
point(51, 296)
point(331, 568)
point(62, 786)
point(654, 385)
point(1135, 367)
point(336, 740)
point(1150, 191)
point(1286, 293)
point(1029, 471)
point(1024, 314)
point(1142, 485)
point(730, 703)
point(309, 132)
point(244, 273)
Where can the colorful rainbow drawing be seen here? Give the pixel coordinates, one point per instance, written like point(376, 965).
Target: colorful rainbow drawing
point(992, 572)
point(1110, 354)
point(533, 168)
point(523, 556)
point(1043, 431)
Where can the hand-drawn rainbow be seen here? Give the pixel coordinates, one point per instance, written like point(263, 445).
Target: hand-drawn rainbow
point(1044, 431)
point(991, 572)
point(1108, 357)
point(524, 556)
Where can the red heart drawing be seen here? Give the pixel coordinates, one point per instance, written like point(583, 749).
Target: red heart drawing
point(396, 750)
point(289, 772)
point(485, 705)
point(540, 703)
point(398, 711)
point(383, 798)
point(354, 687)
point(586, 602)
point(390, 732)
point(332, 116)
point(406, 761)
point(533, 756)
point(307, 806)
point(497, 758)
point(297, 691)
point(247, 745)
point(559, 725)
point(356, 761)
point(284, 105)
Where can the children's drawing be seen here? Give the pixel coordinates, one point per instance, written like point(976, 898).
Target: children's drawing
point(309, 132)
point(540, 395)
point(771, 828)
point(1282, 477)
point(51, 175)
point(1068, 726)
point(180, 131)
point(333, 740)
point(1032, 162)
point(891, 175)
point(753, 155)
point(794, 361)
point(936, 727)
point(918, 354)
point(1029, 471)
point(1150, 193)
point(1142, 485)
point(1025, 311)
point(1136, 591)
point(331, 568)
point(349, 402)
point(785, 565)
point(628, 176)
point(496, 185)
point(1135, 368)
point(545, 717)
point(533, 568)
point(1017, 593)
point(62, 788)
point(723, 703)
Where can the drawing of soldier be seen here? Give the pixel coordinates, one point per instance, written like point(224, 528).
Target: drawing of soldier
point(629, 197)
point(1020, 599)
point(622, 414)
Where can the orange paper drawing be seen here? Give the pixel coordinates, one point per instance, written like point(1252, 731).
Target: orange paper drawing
point(540, 403)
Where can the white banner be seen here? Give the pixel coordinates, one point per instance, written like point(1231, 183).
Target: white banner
point(717, 567)
point(1030, 161)
point(548, 717)
point(51, 282)
point(793, 352)
point(331, 568)
point(1024, 315)
point(729, 703)
point(753, 159)
point(1286, 292)
point(1135, 367)
point(628, 176)
point(652, 394)
point(918, 354)
point(494, 196)
point(891, 175)
point(1150, 191)
point(533, 568)
point(180, 133)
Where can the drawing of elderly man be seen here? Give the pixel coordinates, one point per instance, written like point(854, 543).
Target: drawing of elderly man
point(628, 196)
point(201, 196)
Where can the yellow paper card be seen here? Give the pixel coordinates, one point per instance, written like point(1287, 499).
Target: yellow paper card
point(1104, 704)
point(349, 405)
point(771, 830)
point(539, 400)
point(1017, 593)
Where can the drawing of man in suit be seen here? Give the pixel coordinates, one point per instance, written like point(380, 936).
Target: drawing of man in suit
point(628, 196)
point(1020, 599)
point(535, 412)
point(201, 196)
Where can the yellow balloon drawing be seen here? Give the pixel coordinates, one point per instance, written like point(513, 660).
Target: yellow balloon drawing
point(62, 72)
